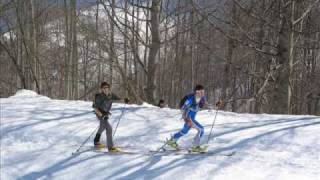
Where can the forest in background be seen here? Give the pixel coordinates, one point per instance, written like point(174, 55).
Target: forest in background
point(258, 56)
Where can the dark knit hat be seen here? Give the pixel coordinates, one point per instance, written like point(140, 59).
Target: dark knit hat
point(103, 84)
point(198, 87)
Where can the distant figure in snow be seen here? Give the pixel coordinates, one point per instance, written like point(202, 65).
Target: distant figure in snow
point(102, 104)
point(161, 103)
point(126, 100)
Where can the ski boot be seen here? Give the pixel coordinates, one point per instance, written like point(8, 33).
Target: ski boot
point(114, 150)
point(198, 149)
point(173, 143)
point(98, 145)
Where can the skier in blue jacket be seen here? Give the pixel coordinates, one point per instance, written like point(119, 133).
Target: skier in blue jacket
point(190, 107)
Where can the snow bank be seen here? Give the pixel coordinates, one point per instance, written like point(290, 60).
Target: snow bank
point(24, 93)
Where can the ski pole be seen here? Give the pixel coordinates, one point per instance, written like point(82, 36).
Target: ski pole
point(214, 120)
point(84, 142)
point(120, 117)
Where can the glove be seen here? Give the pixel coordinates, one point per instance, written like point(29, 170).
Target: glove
point(188, 121)
point(219, 104)
point(105, 117)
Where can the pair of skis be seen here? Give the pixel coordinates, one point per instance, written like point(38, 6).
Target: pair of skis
point(162, 151)
point(191, 153)
point(104, 150)
point(186, 151)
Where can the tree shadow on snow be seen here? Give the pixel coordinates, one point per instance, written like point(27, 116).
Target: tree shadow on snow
point(61, 165)
point(154, 166)
point(63, 115)
point(148, 169)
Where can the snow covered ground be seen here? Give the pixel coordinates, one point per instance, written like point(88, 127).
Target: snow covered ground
point(38, 136)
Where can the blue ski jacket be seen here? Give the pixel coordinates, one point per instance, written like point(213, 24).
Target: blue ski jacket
point(191, 105)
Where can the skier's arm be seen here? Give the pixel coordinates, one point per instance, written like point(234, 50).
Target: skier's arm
point(185, 109)
point(116, 98)
point(96, 105)
point(99, 113)
point(186, 105)
point(203, 103)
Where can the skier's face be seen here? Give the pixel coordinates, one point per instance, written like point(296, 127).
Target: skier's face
point(200, 93)
point(106, 89)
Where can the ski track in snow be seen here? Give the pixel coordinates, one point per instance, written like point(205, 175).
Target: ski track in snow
point(39, 135)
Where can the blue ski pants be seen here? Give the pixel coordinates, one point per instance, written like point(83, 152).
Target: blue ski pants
point(186, 127)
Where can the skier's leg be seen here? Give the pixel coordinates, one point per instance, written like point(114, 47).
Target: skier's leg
point(102, 126)
point(97, 139)
point(182, 132)
point(99, 132)
point(186, 127)
point(200, 129)
point(109, 134)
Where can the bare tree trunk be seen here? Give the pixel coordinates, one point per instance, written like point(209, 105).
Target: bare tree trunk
point(74, 50)
point(67, 53)
point(154, 49)
point(136, 47)
point(34, 46)
point(32, 79)
point(192, 50)
point(17, 66)
point(291, 54)
point(112, 43)
point(100, 76)
point(147, 41)
point(258, 65)
point(125, 80)
point(163, 83)
point(85, 66)
point(228, 77)
point(280, 89)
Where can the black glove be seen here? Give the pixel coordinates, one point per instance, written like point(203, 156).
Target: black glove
point(105, 117)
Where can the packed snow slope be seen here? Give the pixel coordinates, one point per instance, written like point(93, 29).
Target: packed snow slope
point(39, 134)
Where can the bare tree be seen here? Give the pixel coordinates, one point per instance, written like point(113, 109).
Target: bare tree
point(258, 56)
point(154, 49)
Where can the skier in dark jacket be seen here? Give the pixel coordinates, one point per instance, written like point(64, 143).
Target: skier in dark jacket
point(102, 105)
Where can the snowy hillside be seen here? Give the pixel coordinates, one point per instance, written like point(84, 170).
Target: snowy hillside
point(38, 136)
